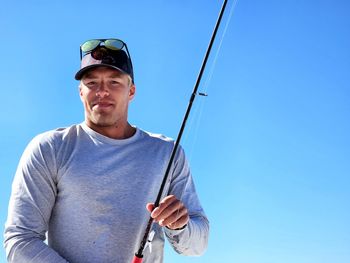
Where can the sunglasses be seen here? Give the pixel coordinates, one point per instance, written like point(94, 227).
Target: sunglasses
point(111, 43)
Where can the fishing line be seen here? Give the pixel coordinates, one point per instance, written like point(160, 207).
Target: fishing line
point(139, 253)
point(213, 65)
point(196, 120)
point(200, 108)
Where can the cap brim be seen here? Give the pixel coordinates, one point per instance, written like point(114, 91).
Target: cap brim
point(79, 75)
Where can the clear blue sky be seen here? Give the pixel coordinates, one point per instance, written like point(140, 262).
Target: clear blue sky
point(269, 147)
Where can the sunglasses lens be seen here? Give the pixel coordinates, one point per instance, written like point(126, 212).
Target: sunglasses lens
point(90, 45)
point(114, 44)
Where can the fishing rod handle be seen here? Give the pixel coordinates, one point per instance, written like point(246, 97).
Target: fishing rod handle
point(136, 259)
point(139, 253)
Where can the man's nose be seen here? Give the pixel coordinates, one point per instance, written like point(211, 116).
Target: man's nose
point(102, 91)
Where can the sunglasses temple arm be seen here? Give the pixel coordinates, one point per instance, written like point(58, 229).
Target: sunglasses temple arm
point(127, 50)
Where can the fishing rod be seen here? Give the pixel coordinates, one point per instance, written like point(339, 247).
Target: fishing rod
point(139, 254)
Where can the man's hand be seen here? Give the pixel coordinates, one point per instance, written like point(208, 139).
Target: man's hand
point(170, 213)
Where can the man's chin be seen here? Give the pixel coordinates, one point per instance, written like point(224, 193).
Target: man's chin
point(103, 122)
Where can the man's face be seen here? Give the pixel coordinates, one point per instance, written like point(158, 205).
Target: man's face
point(106, 94)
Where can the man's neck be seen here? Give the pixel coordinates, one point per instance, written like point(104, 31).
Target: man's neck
point(114, 132)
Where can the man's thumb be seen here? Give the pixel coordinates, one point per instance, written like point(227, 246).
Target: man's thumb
point(150, 207)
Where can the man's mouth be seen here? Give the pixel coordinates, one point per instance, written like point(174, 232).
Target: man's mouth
point(102, 104)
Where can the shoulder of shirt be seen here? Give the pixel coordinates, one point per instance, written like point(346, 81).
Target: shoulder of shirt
point(55, 135)
point(156, 136)
point(59, 135)
point(161, 140)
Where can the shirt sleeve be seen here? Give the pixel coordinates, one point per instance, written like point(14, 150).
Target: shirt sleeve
point(193, 239)
point(31, 202)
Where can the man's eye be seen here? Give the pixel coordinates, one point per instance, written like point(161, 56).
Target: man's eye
point(114, 82)
point(91, 83)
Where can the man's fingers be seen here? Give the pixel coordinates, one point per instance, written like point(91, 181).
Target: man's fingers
point(179, 223)
point(150, 207)
point(175, 217)
point(166, 208)
point(170, 213)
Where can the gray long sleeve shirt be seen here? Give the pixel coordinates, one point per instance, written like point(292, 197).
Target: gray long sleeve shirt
point(88, 192)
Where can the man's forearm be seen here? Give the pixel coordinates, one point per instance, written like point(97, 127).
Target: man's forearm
point(23, 246)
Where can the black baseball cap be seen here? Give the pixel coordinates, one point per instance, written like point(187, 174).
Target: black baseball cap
point(104, 56)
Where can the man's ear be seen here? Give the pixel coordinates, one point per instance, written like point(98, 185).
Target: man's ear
point(132, 91)
point(80, 92)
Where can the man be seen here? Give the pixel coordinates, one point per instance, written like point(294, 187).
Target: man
point(86, 186)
